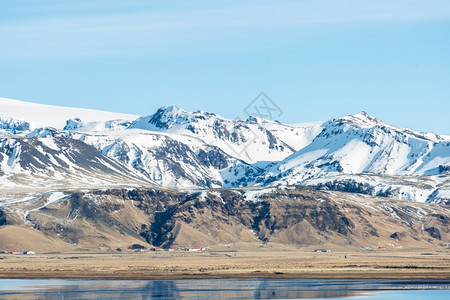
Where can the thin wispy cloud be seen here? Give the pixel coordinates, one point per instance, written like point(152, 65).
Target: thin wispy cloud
point(186, 29)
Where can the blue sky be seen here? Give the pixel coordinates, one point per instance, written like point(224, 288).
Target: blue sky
point(317, 59)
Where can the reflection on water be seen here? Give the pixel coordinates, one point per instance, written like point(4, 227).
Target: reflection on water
point(223, 289)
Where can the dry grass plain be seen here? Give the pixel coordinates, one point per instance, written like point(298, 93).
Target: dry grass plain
point(223, 262)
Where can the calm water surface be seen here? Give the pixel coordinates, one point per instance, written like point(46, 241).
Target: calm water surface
point(224, 289)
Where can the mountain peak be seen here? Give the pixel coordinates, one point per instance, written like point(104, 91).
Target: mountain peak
point(165, 116)
point(168, 116)
point(364, 114)
point(172, 109)
point(362, 119)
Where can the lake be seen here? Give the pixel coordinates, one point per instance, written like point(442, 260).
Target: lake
point(224, 289)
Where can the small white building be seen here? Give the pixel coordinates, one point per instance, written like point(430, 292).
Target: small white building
point(29, 252)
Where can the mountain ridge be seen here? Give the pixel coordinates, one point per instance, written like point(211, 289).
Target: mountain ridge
point(102, 220)
point(177, 148)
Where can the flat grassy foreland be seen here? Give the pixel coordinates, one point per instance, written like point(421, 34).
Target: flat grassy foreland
point(232, 263)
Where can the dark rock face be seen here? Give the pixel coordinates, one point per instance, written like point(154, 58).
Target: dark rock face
point(156, 119)
point(3, 220)
point(395, 235)
point(349, 186)
point(398, 236)
point(443, 220)
point(216, 158)
point(444, 169)
point(434, 232)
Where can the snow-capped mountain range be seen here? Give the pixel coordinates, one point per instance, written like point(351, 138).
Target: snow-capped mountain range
point(177, 148)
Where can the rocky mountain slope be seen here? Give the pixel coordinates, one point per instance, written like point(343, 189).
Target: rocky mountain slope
point(54, 162)
point(296, 216)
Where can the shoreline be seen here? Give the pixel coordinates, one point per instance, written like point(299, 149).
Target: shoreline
point(329, 274)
